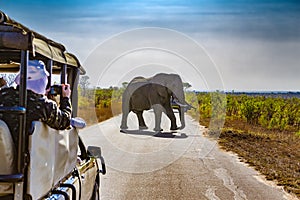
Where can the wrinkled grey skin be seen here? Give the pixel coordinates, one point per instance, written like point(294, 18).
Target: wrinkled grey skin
point(155, 92)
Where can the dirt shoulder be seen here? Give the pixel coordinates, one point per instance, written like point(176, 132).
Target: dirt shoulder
point(274, 154)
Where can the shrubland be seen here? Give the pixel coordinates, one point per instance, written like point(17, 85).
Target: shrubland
point(263, 130)
point(99, 104)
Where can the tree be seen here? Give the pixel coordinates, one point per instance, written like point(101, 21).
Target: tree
point(9, 78)
point(186, 86)
point(83, 84)
point(124, 84)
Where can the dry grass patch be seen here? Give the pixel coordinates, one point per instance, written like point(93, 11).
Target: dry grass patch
point(275, 154)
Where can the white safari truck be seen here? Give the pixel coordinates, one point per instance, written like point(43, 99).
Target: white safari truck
point(47, 164)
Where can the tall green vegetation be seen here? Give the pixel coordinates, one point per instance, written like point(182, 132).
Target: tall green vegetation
point(274, 113)
point(98, 104)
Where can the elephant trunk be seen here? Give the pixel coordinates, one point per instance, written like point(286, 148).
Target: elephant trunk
point(183, 107)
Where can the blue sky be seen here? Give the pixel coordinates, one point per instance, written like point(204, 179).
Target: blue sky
point(254, 44)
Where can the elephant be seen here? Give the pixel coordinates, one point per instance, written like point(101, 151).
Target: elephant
point(155, 92)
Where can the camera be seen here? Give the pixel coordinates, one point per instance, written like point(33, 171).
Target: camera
point(55, 90)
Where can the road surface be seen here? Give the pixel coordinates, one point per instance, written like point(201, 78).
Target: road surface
point(181, 165)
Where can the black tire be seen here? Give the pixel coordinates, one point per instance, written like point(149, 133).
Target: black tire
point(96, 195)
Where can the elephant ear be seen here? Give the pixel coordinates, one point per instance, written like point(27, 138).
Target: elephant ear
point(162, 91)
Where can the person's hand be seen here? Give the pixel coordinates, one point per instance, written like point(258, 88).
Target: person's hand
point(47, 92)
point(65, 90)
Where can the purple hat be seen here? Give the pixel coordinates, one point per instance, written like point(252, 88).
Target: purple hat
point(36, 76)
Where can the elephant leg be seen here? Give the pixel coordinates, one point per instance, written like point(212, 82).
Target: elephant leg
point(125, 112)
point(124, 121)
point(142, 124)
point(157, 112)
point(171, 116)
point(181, 114)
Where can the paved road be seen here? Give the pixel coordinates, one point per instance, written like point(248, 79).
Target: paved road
point(181, 165)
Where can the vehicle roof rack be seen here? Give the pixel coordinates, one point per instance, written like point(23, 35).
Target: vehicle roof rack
point(15, 36)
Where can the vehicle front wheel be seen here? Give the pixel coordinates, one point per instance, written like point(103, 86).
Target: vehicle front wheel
point(96, 195)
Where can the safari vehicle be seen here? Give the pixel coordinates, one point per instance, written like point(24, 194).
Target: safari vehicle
point(47, 164)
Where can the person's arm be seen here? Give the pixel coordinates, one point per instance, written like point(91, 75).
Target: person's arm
point(59, 118)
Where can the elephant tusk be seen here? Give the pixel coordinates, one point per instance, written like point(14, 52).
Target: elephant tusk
point(182, 105)
point(178, 103)
point(188, 106)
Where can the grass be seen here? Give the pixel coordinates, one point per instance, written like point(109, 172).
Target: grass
point(94, 115)
point(275, 154)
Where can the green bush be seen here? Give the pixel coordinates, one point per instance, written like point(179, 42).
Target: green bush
point(270, 112)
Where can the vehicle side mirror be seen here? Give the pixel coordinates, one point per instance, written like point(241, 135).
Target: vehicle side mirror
point(94, 151)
